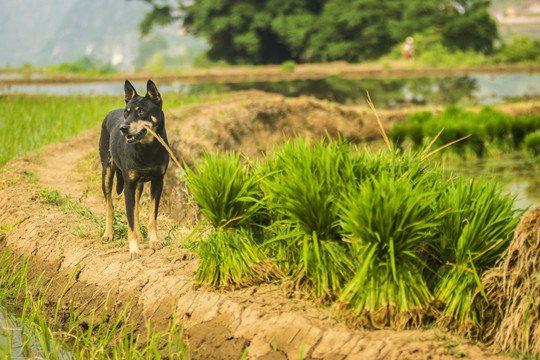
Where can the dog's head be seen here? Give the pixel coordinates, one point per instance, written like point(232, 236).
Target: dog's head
point(142, 111)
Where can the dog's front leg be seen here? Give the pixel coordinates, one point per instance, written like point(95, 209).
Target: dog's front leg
point(155, 195)
point(131, 198)
point(137, 227)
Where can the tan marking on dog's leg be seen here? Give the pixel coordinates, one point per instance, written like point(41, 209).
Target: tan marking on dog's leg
point(108, 233)
point(134, 251)
point(154, 242)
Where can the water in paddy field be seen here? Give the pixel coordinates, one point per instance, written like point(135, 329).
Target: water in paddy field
point(519, 175)
point(17, 341)
point(437, 90)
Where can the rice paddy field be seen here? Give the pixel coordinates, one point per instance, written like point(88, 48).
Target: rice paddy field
point(384, 233)
point(30, 121)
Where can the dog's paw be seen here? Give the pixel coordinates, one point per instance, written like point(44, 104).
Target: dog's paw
point(155, 245)
point(134, 251)
point(106, 238)
point(134, 255)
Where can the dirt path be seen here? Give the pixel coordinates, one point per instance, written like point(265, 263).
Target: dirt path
point(268, 321)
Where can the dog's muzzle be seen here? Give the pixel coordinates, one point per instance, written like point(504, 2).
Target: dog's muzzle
point(132, 138)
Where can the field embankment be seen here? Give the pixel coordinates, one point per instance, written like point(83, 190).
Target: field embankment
point(277, 73)
point(269, 321)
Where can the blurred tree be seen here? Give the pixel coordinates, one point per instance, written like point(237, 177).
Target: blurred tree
point(470, 27)
point(273, 31)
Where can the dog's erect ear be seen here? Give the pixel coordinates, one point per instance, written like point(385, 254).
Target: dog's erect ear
point(152, 93)
point(130, 91)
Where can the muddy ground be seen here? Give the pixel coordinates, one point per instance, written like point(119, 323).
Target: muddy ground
point(268, 320)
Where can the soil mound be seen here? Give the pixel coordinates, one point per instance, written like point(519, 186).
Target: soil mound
point(253, 122)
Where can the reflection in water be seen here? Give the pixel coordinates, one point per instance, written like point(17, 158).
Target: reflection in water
point(519, 175)
point(385, 93)
point(18, 341)
point(11, 338)
point(438, 90)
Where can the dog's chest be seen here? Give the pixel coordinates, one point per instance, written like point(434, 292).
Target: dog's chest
point(146, 174)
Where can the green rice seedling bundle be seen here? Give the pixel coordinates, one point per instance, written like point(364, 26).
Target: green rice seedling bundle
point(497, 127)
point(233, 259)
point(304, 190)
point(457, 124)
point(398, 134)
point(385, 233)
point(307, 184)
point(387, 221)
point(227, 192)
point(416, 130)
point(477, 227)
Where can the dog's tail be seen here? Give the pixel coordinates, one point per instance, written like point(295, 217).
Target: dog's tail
point(119, 182)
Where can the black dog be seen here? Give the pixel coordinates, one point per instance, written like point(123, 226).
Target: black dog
point(130, 151)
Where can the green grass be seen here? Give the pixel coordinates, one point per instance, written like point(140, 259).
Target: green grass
point(484, 132)
point(532, 142)
point(66, 203)
point(388, 234)
point(28, 122)
point(75, 335)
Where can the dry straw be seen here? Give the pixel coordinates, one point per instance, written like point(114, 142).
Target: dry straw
point(160, 139)
point(379, 122)
point(511, 319)
point(387, 141)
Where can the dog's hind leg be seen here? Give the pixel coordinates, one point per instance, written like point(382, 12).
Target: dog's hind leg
point(155, 194)
point(106, 185)
point(131, 199)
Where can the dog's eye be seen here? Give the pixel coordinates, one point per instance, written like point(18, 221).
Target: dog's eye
point(126, 113)
point(140, 112)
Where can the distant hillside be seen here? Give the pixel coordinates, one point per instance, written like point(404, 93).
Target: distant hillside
point(44, 32)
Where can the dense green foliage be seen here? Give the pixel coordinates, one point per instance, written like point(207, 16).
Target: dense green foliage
point(273, 31)
point(532, 142)
point(386, 234)
point(486, 131)
point(518, 49)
